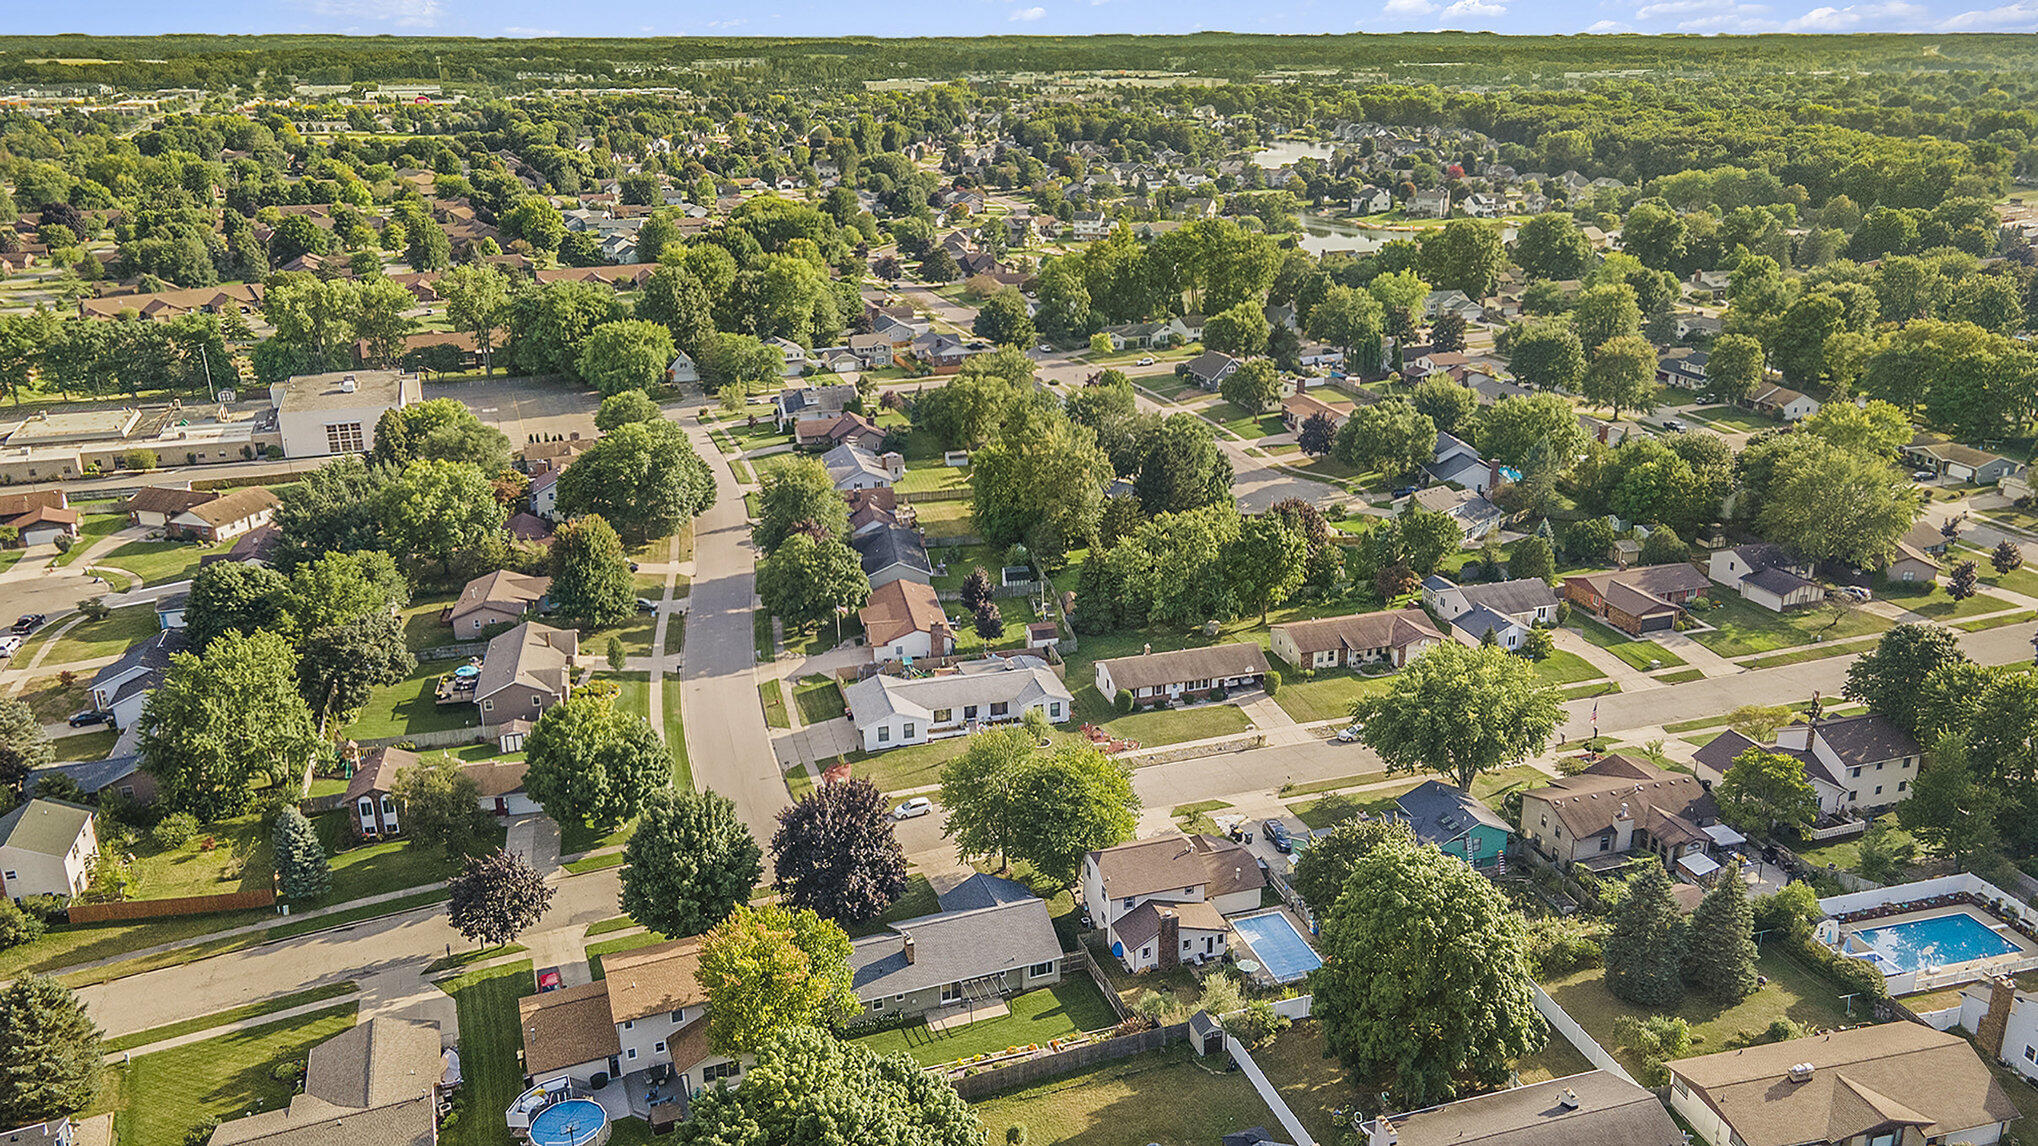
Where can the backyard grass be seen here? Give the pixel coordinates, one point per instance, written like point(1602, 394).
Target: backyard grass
point(161, 1096)
point(1166, 1097)
point(87, 640)
point(819, 700)
point(490, 1042)
point(1792, 992)
point(772, 693)
point(933, 477)
point(917, 900)
point(407, 707)
point(1634, 652)
point(1037, 1017)
point(362, 870)
point(1328, 695)
point(238, 859)
point(87, 745)
point(238, 1014)
point(160, 562)
point(1742, 628)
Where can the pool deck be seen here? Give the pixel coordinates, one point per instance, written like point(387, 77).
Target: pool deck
point(2025, 949)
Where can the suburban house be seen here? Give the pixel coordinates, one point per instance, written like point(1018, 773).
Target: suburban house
point(39, 518)
point(1210, 368)
point(1891, 1084)
point(1596, 1108)
point(1950, 459)
point(648, 1016)
point(796, 404)
point(1299, 408)
point(319, 415)
point(121, 687)
point(122, 774)
point(152, 506)
point(1682, 367)
point(47, 848)
point(1162, 902)
point(1457, 822)
point(682, 368)
point(544, 492)
point(826, 433)
point(1769, 575)
point(957, 957)
point(1372, 201)
point(1183, 675)
point(215, 516)
point(371, 789)
point(890, 711)
point(874, 351)
point(1863, 762)
point(498, 598)
point(1475, 516)
point(1644, 599)
point(1507, 609)
point(893, 553)
point(378, 1082)
point(852, 467)
point(1911, 564)
point(1781, 402)
point(1394, 636)
point(903, 620)
point(524, 672)
point(499, 784)
point(1457, 463)
point(539, 457)
point(2004, 1019)
point(57, 1131)
point(1617, 807)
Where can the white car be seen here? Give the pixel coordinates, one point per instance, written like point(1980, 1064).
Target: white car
point(9, 645)
point(1349, 734)
point(915, 807)
point(1144, 362)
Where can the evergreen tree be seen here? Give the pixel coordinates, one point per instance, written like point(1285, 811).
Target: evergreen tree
point(1645, 949)
point(1719, 960)
point(49, 1052)
point(301, 866)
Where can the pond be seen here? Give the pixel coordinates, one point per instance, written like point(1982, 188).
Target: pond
point(1287, 151)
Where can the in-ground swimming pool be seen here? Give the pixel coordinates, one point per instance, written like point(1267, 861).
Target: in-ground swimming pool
point(1941, 941)
point(1278, 946)
point(574, 1122)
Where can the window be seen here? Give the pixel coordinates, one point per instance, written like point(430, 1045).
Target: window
point(659, 1046)
point(1903, 785)
point(488, 706)
point(1878, 789)
point(943, 715)
point(367, 808)
point(1054, 710)
point(908, 734)
point(343, 438)
point(1606, 843)
point(951, 992)
point(1039, 969)
point(631, 1054)
point(629, 1024)
point(1853, 795)
point(9, 876)
point(2031, 1054)
point(1000, 708)
point(884, 735)
point(537, 701)
point(678, 1017)
point(1878, 766)
point(1853, 773)
point(969, 712)
point(877, 1004)
point(388, 806)
point(728, 1069)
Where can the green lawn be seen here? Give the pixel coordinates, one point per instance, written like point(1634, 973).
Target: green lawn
point(491, 1045)
point(408, 707)
point(66, 945)
point(635, 633)
point(228, 855)
point(1561, 667)
point(1156, 726)
point(675, 736)
point(941, 519)
point(1245, 423)
point(88, 640)
point(1634, 652)
point(772, 694)
point(88, 746)
point(232, 1015)
point(917, 900)
point(159, 562)
point(1328, 695)
point(1742, 628)
point(1792, 992)
point(1166, 1097)
point(1038, 1017)
point(362, 870)
point(161, 1096)
point(819, 700)
point(92, 528)
point(1736, 418)
point(1942, 608)
point(933, 477)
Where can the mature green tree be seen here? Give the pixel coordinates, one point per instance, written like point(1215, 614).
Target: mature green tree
point(433, 511)
point(1663, 546)
point(1350, 319)
point(977, 790)
point(1605, 312)
point(234, 597)
point(1733, 367)
point(548, 323)
point(1181, 468)
point(339, 587)
point(1764, 792)
point(1834, 504)
point(805, 581)
point(1070, 802)
point(1886, 678)
point(1552, 246)
point(477, 301)
point(1954, 807)
point(1252, 387)
point(331, 509)
point(689, 864)
point(225, 722)
point(1444, 402)
point(795, 498)
point(1004, 320)
point(1240, 331)
point(1645, 944)
point(804, 1078)
point(1719, 959)
point(1390, 437)
point(536, 221)
point(592, 763)
point(674, 297)
point(441, 805)
point(1463, 255)
point(591, 573)
point(1386, 988)
point(1622, 375)
point(340, 665)
point(628, 355)
point(1459, 712)
point(1265, 562)
point(1040, 483)
point(1510, 430)
point(496, 898)
point(624, 408)
point(1427, 538)
point(23, 744)
point(767, 970)
point(1548, 356)
point(742, 361)
point(302, 871)
point(441, 428)
point(50, 1052)
point(1401, 294)
point(1324, 869)
point(644, 479)
point(1655, 234)
point(1531, 557)
point(835, 853)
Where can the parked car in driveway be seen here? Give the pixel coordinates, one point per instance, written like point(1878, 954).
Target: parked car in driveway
point(1277, 835)
point(1349, 734)
point(913, 808)
point(646, 605)
point(89, 717)
point(1922, 475)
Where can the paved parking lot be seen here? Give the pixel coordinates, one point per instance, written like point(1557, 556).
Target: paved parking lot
point(525, 410)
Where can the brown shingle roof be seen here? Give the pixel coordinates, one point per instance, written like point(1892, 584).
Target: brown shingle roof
point(900, 608)
point(654, 980)
point(1175, 862)
point(1142, 923)
point(378, 770)
point(567, 1027)
point(502, 589)
point(158, 499)
point(1587, 804)
point(1392, 629)
point(227, 508)
point(1147, 670)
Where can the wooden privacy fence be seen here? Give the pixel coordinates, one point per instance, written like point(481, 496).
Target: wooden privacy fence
point(1025, 1071)
point(180, 905)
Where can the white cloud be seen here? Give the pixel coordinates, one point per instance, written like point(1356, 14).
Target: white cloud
point(1474, 10)
point(1024, 15)
point(733, 22)
point(1831, 19)
point(522, 33)
point(1408, 8)
point(1708, 8)
point(1606, 28)
point(402, 13)
point(2021, 16)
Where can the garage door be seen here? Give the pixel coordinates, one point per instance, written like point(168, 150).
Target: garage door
point(1658, 623)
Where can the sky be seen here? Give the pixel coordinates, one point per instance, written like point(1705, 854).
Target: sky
point(988, 17)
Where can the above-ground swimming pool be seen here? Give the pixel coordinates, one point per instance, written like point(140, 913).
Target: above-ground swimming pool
point(1278, 946)
point(574, 1122)
point(1941, 941)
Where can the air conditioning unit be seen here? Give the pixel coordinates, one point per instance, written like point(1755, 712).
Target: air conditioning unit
point(1801, 1072)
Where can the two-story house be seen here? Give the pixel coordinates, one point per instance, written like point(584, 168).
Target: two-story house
point(1162, 902)
point(524, 672)
point(646, 1016)
point(1643, 599)
point(1769, 575)
point(122, 687)
point(1457, 823)
point(1863, 762)
point(1618, 807)
point(47, 848)
point(1507, 609)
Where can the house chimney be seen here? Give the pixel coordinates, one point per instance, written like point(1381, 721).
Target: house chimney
point(1567, 1098)
point(1995, 1022)
point(909, 949)
point(1169, 956)
point(1381, 1132)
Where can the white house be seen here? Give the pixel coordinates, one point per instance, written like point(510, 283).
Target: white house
point(1162, 902)
point(904, 620)
point(891, 711)
point(682, 368)
point(1509, 609)
point(320, 415)
point(545, 494)
point(1768, 575)
point(1863, 762)
point(46, 848)
point(852, 467)
point(122, 687)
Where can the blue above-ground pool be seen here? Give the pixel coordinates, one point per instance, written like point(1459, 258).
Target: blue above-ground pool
point(1941, 941)
point(574, 1122)
point(1278, 946)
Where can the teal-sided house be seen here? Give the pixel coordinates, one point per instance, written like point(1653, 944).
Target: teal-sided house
point(1458, 824)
